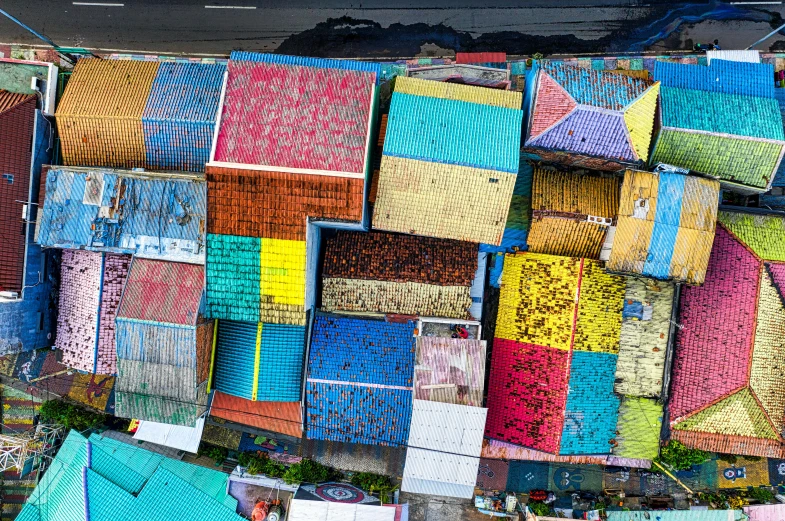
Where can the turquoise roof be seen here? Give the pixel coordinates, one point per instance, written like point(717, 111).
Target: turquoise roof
point(454, 132)
point(747, 79)
point(128, 479)
point(718, 112)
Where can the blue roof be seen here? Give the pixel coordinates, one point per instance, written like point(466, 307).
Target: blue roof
point(592, 407)
point(719, 112)
point(179, 119)
point(305, 61)
point(172, 210)
point(281, 354)
point(453, 132)
point(598, 89)
point(346, 349)
point(358, 414)
point(747, 79)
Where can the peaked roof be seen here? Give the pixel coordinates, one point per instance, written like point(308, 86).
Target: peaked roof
point(596, 88)
point(97, 477)
point(9, 100)
point(726, 385)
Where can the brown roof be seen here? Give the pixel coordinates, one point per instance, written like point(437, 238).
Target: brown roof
point(399, 258)
point(283, 417)
point(16, 131)
point(579, 194)
point(275, 205)
point(728, 444)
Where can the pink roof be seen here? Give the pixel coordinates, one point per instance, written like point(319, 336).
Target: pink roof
point(160, 291)
point(480, 57)
point(774, 512)
point(714, 343)
point(527, 394)
point(288, 116)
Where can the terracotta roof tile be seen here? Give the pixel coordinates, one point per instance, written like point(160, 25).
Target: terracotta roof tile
point(276, 205)
point(281, 417)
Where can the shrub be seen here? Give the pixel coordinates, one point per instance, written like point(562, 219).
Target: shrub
point(728, 458)
point(764, 495)
point(307, 471)
point(539, 509)
point(215, 453)
point(260, 464)
point(70, 416)
point(680, 457)
point(370, 481)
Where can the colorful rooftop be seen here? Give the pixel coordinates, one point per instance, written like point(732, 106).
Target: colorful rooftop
point(281, 417)
point(589, 118)
point(163, 348)
point(259, 362)
point(422, 162)
point(98, 477)
point(571, 212)
point(146, 214)
point(360, 379)
point(726, 388)
point(255, 280)
point(665, 227)
point(269, 103)
point(17, 119)
point(554, 361)
point(162, 115)
point(381, 272)
point(721, 120)
point(450, 370)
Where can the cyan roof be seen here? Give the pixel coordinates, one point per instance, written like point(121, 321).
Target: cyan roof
point(719, 112)
point(306, 61)
point(107, 474)
point(743, 78)
point(453, 132)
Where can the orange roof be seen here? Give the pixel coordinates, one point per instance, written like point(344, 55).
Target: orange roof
point(282, 417)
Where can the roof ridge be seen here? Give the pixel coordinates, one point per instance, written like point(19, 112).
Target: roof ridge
point(754, 395)
point(712, 403)
point(780, 289)
point(16, 99)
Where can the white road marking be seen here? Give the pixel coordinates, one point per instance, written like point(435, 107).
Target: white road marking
point(98, 4)
point(230, 7)
point(755, 3)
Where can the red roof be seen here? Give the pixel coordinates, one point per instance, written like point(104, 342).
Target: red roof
point(283, 417)
point(286, 116)
point(160, 291)
point(17, 116)
point(480, 57)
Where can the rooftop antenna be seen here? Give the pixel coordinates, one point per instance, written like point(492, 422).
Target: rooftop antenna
point(26, 449)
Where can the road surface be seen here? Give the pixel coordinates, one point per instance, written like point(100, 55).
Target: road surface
point(388, 28)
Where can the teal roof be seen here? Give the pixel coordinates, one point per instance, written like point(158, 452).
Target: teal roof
point(128, 479)
point(722, 113)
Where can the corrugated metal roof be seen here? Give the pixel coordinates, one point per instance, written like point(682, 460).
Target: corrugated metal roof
point(283, 417)
point(480, 57)
point(445, 441)
point(675, 515)
point(120, 211)
point(306, 61)
point(164, 292)
point(156, 344)
point(450, 370)
point(749, 56)
point(303, 510)
point(774, 512)
point(268, 104)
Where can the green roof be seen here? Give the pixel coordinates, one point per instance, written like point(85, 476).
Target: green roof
point(125, 479)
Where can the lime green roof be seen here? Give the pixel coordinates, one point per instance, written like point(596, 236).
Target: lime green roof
point(638, 427)
point(763, 234)
point(128, 479)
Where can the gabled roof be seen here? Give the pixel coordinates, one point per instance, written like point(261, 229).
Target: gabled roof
point(595, 88)
point(163, 292)
point(730, 340)
point(724, 76)
point(98, 477)
point(293, 118)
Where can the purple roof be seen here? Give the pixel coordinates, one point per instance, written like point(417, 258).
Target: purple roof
point(590, 132)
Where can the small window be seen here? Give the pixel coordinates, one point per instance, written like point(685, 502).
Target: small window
point(9, 178)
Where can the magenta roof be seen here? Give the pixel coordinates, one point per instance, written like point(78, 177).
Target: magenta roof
point(160, 291)
point(288, 116)
point(714, 345)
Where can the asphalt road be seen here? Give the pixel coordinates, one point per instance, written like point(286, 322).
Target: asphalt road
point(382, 28)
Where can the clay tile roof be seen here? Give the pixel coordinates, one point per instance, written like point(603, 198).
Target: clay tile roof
point(282, 417)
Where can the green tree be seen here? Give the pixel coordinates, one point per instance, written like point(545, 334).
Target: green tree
point(70, 416)
point(679, 457)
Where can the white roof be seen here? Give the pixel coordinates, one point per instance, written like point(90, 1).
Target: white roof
point(445, 441)
point(304, 510)
point(734, 56)
point(175, 436)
